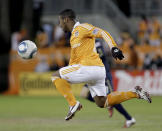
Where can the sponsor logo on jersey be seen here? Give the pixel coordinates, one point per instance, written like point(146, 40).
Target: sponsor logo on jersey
point(76, 34)
point(75, 45)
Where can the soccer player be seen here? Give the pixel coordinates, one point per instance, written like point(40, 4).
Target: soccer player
point(108, 82)
point(86, 66)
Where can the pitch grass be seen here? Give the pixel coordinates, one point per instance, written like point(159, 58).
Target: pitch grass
point(47, 114)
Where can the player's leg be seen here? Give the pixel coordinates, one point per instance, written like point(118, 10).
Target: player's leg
point(63, 86)
point(100, 101)
point(119, 97)
point(129, 119)
point(98, 91)
point(97, 87)
point(123, 111)
point(86, 94)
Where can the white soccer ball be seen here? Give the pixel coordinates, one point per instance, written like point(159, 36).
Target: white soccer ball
point(27, 49)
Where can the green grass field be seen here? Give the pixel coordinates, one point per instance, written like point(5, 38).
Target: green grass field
point(47, 114)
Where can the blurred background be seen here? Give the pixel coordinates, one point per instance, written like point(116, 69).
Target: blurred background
point(28, 99)
point(136, 26)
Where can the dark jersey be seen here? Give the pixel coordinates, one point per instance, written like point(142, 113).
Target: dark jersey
point(101, 52)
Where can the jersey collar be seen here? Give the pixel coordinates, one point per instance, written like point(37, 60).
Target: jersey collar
point(76, 24)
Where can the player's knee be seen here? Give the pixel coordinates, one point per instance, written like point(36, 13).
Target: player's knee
point(101, 105)
point(100, 101)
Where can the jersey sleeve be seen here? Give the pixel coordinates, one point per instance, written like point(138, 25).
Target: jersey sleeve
point(92, 31)
point(100, 33)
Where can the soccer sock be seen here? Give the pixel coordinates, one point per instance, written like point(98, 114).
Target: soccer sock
point(118, 97)
point(121, 109)
point(64, 88)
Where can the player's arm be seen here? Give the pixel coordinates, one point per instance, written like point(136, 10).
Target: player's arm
point(100, 33)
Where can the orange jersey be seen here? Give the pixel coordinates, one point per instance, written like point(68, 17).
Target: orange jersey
point(82, 41)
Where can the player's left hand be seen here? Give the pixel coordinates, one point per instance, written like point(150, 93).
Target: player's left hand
point(117, 53)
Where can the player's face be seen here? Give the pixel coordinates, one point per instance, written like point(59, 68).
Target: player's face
point(62, 23)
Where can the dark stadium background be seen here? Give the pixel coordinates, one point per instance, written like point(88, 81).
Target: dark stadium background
point(12, 15)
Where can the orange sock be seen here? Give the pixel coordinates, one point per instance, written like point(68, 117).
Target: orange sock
point(64, 88)
point(118, 97)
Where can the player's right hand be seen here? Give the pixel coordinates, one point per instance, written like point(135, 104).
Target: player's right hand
point(117, 53)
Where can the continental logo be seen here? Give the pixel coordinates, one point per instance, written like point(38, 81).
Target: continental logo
point(39, 84)
point(30, 81)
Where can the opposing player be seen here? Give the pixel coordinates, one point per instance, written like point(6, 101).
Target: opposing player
point(85, 93)
point(86, 66)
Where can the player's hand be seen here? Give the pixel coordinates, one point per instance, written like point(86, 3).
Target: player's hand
point(117, 53)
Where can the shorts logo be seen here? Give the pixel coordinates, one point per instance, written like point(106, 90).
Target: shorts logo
point(76, 34)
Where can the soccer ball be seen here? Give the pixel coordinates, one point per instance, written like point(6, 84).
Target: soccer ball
point(27, 49)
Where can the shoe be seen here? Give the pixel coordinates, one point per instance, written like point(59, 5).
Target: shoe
point(110, 110)
point(129, 123)
point(143, 94)
point(72, 110)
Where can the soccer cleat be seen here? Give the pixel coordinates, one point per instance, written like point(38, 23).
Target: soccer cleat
point(110, 110)
point(73, 110)
point(143, 94)
point(129, 123)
